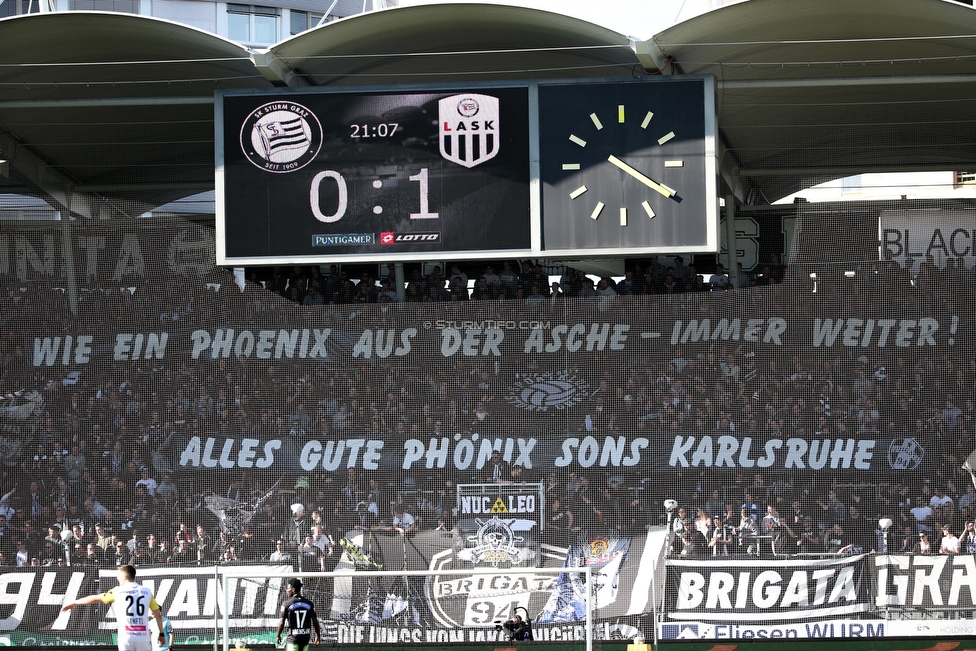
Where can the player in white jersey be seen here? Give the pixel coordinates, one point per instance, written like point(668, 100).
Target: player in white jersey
point(136, 604)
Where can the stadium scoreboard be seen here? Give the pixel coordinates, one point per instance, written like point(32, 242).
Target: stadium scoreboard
point(561, 168)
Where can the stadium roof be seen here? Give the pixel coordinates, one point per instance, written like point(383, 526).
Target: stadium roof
point(812, 91)
point(110, 114)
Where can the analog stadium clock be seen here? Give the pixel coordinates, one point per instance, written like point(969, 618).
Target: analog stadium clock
point(626, 166)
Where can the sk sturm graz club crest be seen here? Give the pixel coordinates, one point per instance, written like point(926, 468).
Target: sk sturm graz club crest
point(281, 137)
point(905, 454)
point(468, 128)
point(545, 391)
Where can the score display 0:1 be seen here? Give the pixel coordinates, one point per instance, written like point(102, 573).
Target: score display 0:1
point(342, 204)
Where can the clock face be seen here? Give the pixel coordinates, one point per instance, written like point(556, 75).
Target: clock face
point(623, 167)
point(326, 176)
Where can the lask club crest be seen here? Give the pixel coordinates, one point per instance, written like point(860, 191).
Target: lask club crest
point(468, 128)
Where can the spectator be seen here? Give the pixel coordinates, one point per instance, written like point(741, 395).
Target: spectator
point(834, 510)
point(906, 545)
point(167, 489)
point(280, 554)
point(836, 541)
point(403, 521)
point(560, 521)
point(94, 556)
point(310, 555)
point(950, 543)
point(536, 301)
point(750, 505)
point(679, 271)
point(497, 470)
point(691, 544)
point(861, 531)
point(323, 541)
point(204, 545)
point(921, 514)
point(365, 520)
point(967, 542)
point(50, 553)
point(809, 539)
point(313, 298)
point(747, 531)
point(723, 537)
point(923, 546)
point(939, 498)
point(23, 555)
point(491, 278)
point(719, 280)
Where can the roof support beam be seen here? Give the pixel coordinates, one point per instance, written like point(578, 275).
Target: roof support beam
point(143, 187)
point(275, 70)
point(105, 102)
point(52, 182)
point(892, 80)
point(651, 57)
point(850, 171)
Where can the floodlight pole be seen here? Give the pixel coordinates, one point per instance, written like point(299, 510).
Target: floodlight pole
point(733, 271)
point(401, 291)
point(589, 608)
point(69, 263)
point(654, 605)
point(667, 536)
point(670, 506)
point(217, 585)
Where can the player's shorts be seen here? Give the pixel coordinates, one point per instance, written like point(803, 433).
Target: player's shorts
point(296, 646)
point(136, 643)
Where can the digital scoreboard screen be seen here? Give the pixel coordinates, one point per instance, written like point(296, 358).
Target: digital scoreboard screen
point(563, 168)
point(316, 176)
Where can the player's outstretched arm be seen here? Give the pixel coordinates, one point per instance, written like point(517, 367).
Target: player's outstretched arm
point(84, 601)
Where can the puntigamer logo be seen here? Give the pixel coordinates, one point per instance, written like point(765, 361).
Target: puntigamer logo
point(281, 137)
point(343, 239)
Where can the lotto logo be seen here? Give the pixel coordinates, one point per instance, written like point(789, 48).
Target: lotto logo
point(389, 237)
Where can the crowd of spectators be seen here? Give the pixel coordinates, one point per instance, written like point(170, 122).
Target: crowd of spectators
point(755, 519)
point(94, 479)
point(523, 281)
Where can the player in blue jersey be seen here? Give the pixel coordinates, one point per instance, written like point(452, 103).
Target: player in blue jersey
point(164, 642)
point(298, 616)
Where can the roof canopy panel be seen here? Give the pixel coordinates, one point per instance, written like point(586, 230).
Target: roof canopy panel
point(811, 91)
point(442, 43)
point(112, 113)
point(98, 54)
point(761, 39)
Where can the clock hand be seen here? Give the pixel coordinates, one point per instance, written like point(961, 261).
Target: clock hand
point(663, 189)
